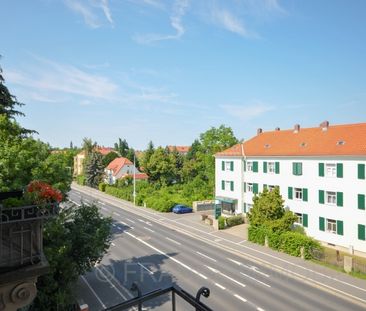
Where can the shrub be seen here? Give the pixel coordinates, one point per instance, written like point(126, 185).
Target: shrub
point(258, 234)
point(102, 186)
point(221, 220)
point(234, 221)
point(13, 202)
point(81, 180)
point(291, 243)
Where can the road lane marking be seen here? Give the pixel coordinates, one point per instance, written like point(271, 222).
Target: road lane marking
point(116, 214)
point(203, 255)
point(240, 297)
point(114, 225)
point(94, 293)
point(128, 219)
point(72, 201)
point(123, 223)
point(253, 268)
point(241, 242)
point(220, 286)
point(102, 203)
point(113, 286)
point(171, 240)
point(166, 255)
point(218, 240)
point(148, 229)
point(250, 277)
point(260, 309)
point(142, 266)
point(103, 208)
point(225, 276)
point(113, 244)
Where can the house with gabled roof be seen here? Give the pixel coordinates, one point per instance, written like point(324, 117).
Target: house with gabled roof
point(120, 168)
point(320, 172)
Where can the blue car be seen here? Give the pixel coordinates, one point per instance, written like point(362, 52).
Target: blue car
point(181, 209)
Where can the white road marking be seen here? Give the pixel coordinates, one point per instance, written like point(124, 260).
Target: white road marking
point(260, 309)
point(123, 223)
point(93, 291)
point(102, 203)
point(113, 244)
point(240, 297)
point(142, 266)
point(250, 277)
point(77, 204)
point(110, 282)
point(203, 255)
point(166, 255)
point(148, 229)
point(218, 240)
point(171, 240)
point(141, 220)
point(241, 242)
point(114, 225)
point(225, 276)
point(128, 219)
point(103, 208)
point(218, 285)
point(116, 214)
point(253, 268)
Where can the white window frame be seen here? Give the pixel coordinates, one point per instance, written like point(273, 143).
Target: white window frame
point(331, 226)
point(249, 207)
point(227, 185)
point(331, 170)
point(250, 166)
point(300, 218)
point(250, 187)
point(331, 197)
point(298, 194)
point(271, 167)
point(228, 165)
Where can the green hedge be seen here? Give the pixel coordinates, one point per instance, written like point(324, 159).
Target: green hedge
point(289, 242)
point(102, 186)
point(234, 221)
point(221, 221)
point(81, 180)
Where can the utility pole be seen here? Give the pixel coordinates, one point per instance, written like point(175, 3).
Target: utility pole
point(134, 179)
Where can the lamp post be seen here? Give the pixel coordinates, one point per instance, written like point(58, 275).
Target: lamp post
point(134, 179)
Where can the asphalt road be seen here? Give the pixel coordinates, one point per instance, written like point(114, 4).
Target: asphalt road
point(156, 256)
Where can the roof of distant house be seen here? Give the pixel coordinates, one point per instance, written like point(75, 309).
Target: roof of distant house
point(105, 150)
point(139, 176)
point(180, 149)
point(116, 165)
point(325, 140)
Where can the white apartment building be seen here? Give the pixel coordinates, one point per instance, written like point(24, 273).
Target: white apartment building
point(320, 173)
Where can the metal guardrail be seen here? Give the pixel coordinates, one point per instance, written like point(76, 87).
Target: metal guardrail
point(174, 290)
point(27, 213)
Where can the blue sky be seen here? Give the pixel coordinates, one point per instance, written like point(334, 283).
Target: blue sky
point(167, 71)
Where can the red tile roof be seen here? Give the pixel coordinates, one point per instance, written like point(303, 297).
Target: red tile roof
point(105, 150)
point(347, 139)
point(180, 149)
point(140, 176)
point(116, 165)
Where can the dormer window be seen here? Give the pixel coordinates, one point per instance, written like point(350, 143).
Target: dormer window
point(340, 143)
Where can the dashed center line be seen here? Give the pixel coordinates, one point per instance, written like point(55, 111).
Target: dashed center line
point(220, 286)
point(142, 266)
point(149, 229)
point(130, 220)
point(203, 255)
point(225, 276)
point(171, 240)
point(240, 297)
point(254, 279)
point(116, 214)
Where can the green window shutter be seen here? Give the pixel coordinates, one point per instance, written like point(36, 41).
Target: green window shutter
point(321, 169)
point(305, 220)
point(255, 188)
point(223, 165)
point(277, 167)
point(321, 224)
point(361, 201)
point(231, 185)
point(305, 194)
point(339, 170)
point(245, 207)
point(339, 198)
point(231, 165)
point(321, 196)
point(245, 187)
point(245, 166)
point(340, 227)
point(294, 168)
point(361, 232)
point(223, 184)
point(264, 167)
point(299, 169)
point(290, 193)
point(361, 171)
point(255, 166)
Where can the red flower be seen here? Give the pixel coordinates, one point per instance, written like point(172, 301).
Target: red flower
point(42, 192)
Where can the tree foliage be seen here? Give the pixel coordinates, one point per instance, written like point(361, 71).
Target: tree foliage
point(108, 158)
point(122, 147)
point(94, 169)
point(73, 243)
point(88, 146)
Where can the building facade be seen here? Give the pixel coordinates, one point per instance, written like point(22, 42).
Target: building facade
point(320, 173)
point(122, 167)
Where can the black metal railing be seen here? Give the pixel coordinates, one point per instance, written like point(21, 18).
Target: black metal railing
point(175, 290)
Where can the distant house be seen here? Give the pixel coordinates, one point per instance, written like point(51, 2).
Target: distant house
point(80, 157)
point(120, 168)
point(183, 150)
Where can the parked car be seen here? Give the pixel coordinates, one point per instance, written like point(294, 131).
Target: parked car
point(181, 209)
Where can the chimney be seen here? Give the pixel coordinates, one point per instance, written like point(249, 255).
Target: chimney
point(324, 125)
point(297, 128)
point(259, 131)
point(277, 129)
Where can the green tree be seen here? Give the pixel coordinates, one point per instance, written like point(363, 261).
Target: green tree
point(217, 139)
point(74, 242)
point(94, 169)
point(267, 206)
point(88, 145)
point(131, 155)
point(122, 147)
point(108, 158)
point(146, 156)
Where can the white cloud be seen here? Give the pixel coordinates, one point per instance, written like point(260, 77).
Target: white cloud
point(87, 9)
point(246, 113)
point(180, 8)
point(230, 22)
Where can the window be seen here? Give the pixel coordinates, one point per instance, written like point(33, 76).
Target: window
point(227, 185)
point(227, 165)
point(302, 219)
point(331, 225)
point(250, 187)
point(299, 218)
point(331, 197)
point(249, 207)
point(298, 193)
point(331, 170)
point(361, 232)
point(297, 168)
point(250, 166)
point(271, 167)
point(361, 171)
point(271, 187)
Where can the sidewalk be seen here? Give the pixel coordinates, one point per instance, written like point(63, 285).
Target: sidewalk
point(319, 276)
